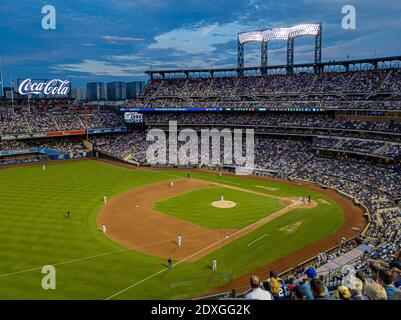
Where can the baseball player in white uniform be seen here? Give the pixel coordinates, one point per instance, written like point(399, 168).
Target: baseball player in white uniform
point(44, 168)
point(179, 240)
point(172, 184)
point(105, 199)
point(104, 229)
point(214, 265)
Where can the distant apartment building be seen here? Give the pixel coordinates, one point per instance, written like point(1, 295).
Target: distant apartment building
point(78, 94)
point(95, 91)
point(8, 93)
point(116, 91)
point(135, 89)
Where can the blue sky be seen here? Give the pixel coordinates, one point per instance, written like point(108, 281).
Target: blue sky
point(119, 39)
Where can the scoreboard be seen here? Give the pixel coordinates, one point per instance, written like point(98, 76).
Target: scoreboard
point(133, 117)
point(223, 109)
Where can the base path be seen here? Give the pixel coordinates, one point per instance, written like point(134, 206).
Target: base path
point(354, 218)
point(132, 222)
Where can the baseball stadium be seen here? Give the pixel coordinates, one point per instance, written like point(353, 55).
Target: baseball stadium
point(320, 202)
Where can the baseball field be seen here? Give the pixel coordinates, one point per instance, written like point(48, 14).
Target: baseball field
point(246, 224)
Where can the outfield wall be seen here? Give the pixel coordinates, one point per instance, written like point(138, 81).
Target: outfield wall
point(44, 158)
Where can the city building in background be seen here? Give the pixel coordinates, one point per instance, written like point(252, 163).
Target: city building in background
point(78, 94)
point(116, 91)
point(135, 89)
point(9, 93)
point(95, 91)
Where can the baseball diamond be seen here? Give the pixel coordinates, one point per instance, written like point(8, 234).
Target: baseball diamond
point(200, 151)
point(143, 217)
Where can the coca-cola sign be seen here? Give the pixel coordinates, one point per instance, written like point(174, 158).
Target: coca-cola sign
point(48, 87)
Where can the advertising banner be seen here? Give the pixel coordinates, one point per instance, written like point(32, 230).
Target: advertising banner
point(107, 130)
point(7, 153)
point(21, 136)
point(65, 133)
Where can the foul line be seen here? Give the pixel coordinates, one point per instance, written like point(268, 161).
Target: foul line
point(258, 239)
point(196, 253)
point(101, 255)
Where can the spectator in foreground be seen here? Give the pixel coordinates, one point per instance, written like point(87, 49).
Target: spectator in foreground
point(357, 291)
point(298, 293)
point(374, 270)
point(311, 274)
point(386, 280)
point(343, 293)
point(319, 290)
point(375, 291)
point(394, 265)
point(276, 286)
point(257, 292)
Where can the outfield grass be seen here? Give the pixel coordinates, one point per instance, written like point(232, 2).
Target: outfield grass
point(35, 232)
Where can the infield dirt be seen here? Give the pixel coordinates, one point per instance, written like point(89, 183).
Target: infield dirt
point(132, 222)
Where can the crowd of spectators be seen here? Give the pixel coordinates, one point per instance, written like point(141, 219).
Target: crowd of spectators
point(379, 148)
point(12, 122)
point(64, 145)
point(374, 279)
point(335, 82)
point(35, 120)
point(371, 183)
point(373, 275)
point(131, 146)
point(279, 103)
point(272, 119)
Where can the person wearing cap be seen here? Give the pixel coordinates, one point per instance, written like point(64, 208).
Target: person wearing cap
point(311, 274)
point(257, 292)
point(276, 286)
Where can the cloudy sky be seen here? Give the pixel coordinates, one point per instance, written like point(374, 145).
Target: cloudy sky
point(97, 40)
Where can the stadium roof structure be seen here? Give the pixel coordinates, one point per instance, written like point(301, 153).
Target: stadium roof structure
point(281, 33)
point(329, 66)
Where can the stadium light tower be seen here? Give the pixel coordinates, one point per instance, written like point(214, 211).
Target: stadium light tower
point(247, 37)
point(283, 33)
point(304, 30)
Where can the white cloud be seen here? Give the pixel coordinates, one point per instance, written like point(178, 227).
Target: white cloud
point(206, 30)
point(198, 40)
point(103, 68)
point(114, 39)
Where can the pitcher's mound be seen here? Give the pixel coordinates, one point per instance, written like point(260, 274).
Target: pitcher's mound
point(224, 204)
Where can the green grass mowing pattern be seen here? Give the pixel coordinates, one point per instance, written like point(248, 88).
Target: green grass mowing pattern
point(34, 232)
point(196, 207)
point(236, 257)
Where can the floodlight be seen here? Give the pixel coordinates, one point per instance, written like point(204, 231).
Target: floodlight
point(304, 30)
point(253, 36)
point(276, 34)
point(285, 33)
